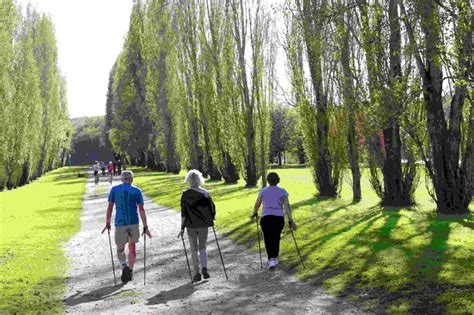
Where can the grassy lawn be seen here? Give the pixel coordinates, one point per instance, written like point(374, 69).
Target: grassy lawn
point(395, 261)
point(35, 221)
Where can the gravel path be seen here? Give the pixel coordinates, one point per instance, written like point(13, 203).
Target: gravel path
point(90, 287)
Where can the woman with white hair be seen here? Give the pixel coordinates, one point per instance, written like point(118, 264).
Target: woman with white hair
point(197, 215)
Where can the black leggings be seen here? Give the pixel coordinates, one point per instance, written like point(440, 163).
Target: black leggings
point(272, 226)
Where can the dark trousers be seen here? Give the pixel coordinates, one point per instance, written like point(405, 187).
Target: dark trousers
point(272, 226)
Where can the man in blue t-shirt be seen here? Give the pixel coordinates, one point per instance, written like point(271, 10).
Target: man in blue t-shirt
point(126, 198)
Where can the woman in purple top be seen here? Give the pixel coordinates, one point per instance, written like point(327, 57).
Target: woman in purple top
point(275, 200)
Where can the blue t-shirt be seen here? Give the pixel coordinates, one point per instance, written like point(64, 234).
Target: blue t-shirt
point(126, 198)
point(272, 197)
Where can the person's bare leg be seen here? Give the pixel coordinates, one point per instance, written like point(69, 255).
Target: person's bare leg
point(132, 254)
point(121, 255)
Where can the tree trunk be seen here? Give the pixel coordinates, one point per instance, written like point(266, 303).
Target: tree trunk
point(450, 181)
point(349, 98)
point(41, 161)
point(162, 100)
point(396, 190)
point(250, 166)
point(229, 171)
point(327, 185)
point(210, 169)
point(172, 160)
point(25, 174)
point(142, 158)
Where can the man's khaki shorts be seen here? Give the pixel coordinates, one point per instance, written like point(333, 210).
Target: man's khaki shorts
point(127, 233)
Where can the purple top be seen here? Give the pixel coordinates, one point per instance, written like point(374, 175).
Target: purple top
point(272, 197)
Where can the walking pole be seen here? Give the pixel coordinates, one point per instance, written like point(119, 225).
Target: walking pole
point(259, 248)
point(144, 258)
point(187, 260)
point(220, 254)
point(294, 239)
point(112, 256)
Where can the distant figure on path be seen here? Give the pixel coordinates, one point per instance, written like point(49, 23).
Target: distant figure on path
point(115, 167)
point(103, 167)
point(272, 221)
point(110, 169)
point(119, 166)
point(126, 198)
point(197, 215)
point(96, 168)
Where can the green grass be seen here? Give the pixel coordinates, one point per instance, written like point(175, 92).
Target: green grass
point(35, 221)
point(395, 261)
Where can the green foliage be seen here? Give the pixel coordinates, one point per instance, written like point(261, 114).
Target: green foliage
point(36, 130)
point(180, 73)
point(131, 125)
point(36, 220)
point(90, 142)
point(405, 261)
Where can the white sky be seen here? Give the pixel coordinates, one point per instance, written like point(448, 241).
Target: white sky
point(90, 35)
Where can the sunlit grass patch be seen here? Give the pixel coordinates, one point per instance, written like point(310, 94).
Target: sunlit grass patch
point(36, 220)
point(397, 261)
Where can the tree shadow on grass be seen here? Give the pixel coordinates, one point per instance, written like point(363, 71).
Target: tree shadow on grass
point(421, 284)
point(96, 295)
point(306, 202)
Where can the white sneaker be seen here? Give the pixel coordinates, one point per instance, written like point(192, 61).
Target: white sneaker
point(271, 264)
point(276, 261)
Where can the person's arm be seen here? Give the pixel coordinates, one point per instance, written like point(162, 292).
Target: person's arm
point(287, 207)
point(141, 210)
point(108, 216)
point(258, 203)
point(183, 216)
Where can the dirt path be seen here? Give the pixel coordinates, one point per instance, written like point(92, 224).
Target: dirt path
point(90, 287)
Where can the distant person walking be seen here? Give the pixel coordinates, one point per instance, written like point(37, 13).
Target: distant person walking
point(274, 199)
point(110, 170)
point(103, 167)
point(126, 199)
point(197, 215)
point(119, 166)
point(115, 167)
point(96, 168)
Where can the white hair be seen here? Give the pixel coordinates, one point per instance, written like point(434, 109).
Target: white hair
point(127, 176)
point(194, 178)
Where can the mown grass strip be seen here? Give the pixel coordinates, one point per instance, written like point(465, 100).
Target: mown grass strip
point(396, 261)
point(36, 220)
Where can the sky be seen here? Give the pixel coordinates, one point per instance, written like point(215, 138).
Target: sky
point(90, 35)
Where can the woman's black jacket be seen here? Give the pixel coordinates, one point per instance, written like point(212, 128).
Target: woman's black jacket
point(197, 209)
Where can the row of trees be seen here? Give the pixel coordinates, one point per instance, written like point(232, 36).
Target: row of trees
point(395, 74)
point(193, 87)
point(35, 128)
point(90, 142)
point(380, 82)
